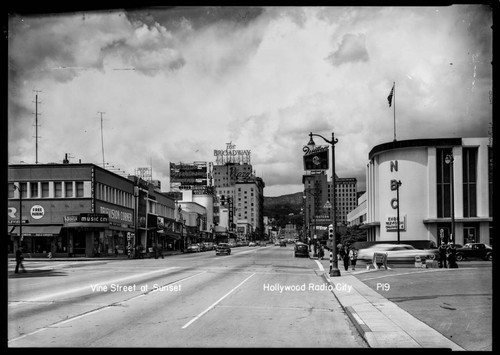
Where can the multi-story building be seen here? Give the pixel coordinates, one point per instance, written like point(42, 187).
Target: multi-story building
point(346, 198)
point(435, 186)
point(242, 193)
point(318, 201)
point(358, 215)
point(83, 209)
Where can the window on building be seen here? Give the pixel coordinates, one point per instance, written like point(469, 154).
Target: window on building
point(68, 186)
point(57, 189)
point(24, 189)
point(443, 181)
point(45, 189)
point(469, 181)
point(79, 189)
point(12, 188)
point(34, 189)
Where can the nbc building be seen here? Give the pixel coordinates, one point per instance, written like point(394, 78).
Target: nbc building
point(432, 187)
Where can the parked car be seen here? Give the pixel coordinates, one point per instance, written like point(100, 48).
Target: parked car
point(301, 249)
point(474, 250)
point(193, 248)
point(251, 244)
point(208, 246)
point(283, 244)
point(404, 253)
point(223, 248)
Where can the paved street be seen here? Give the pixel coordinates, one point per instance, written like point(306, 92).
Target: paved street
point(256, 297)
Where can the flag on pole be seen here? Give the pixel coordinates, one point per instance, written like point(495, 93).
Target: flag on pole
point(389, 98)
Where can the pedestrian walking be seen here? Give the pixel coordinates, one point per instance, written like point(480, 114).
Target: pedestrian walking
point(116, 251)
point(443, 250)
point(345, 256)
point(155, 251)
point(321, 252)
point(353, 257)
point(19, 260)
point(452, 260)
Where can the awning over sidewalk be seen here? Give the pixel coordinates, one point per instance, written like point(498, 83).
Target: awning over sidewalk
point(36, 231)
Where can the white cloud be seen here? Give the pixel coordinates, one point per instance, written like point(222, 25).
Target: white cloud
point(177, 84)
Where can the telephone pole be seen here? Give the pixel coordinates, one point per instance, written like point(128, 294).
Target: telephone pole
point(36, 125)
point(102, 143)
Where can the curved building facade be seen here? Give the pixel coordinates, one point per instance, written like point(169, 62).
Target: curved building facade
point(432, 187)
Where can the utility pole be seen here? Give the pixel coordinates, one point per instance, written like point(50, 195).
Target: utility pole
point(102, 143)
point(36, 125)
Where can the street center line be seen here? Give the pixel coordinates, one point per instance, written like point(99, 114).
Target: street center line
point(214, 304)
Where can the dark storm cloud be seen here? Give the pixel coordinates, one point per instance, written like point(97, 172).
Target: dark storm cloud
point(174, 18)
point(351, 49)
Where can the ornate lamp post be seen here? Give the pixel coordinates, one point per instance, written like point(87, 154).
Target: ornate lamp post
point(334, 270)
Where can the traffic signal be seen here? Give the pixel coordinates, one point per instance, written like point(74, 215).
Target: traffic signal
point(330, 232)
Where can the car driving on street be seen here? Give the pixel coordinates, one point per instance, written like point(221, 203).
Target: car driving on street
point(403, 253)
point(223, 248)
point(301, 249)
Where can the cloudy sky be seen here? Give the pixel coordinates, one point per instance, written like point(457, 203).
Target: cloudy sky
point(175, 84)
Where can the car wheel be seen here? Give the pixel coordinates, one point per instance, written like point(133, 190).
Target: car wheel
point(460, 257)
point(489, 257)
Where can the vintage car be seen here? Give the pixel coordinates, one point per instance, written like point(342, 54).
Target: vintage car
point(223, 248)
point(301, 249)
point(193, 248)
point(474, 251)
point(397, 253)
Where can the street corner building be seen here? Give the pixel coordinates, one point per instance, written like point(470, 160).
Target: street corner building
point(85, 210)
point(438, 190)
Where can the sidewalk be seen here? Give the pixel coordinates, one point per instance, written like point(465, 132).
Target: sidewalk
point(95, 258)
point(381, 322)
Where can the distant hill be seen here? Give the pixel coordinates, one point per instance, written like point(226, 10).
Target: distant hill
point(285, 209)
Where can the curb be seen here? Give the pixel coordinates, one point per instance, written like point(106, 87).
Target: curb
point(353, 316)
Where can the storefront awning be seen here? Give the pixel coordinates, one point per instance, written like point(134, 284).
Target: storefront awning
point(37, 231)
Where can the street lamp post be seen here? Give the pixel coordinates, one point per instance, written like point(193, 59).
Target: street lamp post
point(334, 270)
point(398, 184)
point(20, 189)
point(449, 160)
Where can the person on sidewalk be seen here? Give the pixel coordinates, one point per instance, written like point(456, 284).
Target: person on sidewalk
point(321, 252)
point(442, 255)
point(19, 260)
point(353, 257)
point(345, 256)
point(452, 260)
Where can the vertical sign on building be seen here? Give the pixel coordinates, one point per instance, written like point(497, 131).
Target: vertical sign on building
point(92, 190)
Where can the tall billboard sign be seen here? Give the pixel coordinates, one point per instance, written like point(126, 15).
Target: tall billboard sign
point(189, 176)
point(316, 157)
point(231, 155)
